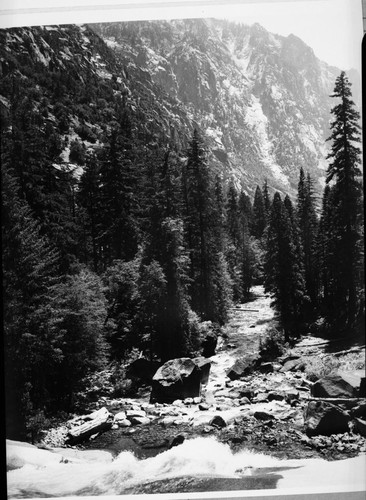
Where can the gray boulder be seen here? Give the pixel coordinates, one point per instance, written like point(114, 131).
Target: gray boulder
point(266, 367)
point(209, 345)
point(341, 385)
point(275, 396)
point(263, 415)
point(242, 367)
point(357, 380)
point(180, 378)
point(218, 421)
point(325, 419)
point(203, 365)
point(292, 364)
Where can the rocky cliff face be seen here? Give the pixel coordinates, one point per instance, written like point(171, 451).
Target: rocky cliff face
point(261, 100)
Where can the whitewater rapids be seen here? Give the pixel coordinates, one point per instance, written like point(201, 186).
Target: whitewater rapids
point(200, 457)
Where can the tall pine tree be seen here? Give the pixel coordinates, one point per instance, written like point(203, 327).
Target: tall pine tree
point(210, 286)
point(283, 273)
point(308, 227)
point(259, 214)
point(344, 177)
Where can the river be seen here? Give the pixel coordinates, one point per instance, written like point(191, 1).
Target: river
point(200, 464)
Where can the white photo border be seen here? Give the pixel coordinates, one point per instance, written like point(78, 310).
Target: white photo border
point(18, 13)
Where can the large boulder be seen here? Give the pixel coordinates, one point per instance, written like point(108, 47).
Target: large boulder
point(204, 366)
point(243, 366)
point(98, 421)
point(325, 419)
point(292, 364)
point(356, 378)
point(180, 378)
point(209, 345)
point(340, 385)
point(19, 454)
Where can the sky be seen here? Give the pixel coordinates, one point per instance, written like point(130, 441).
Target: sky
point(332, 28)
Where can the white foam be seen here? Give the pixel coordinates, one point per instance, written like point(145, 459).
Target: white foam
point(200, 456)
point(196, 457)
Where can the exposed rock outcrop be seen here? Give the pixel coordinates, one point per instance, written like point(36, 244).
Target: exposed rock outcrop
point(180, 378)
point(243, 367)
point(341, 385)
point(325, 418)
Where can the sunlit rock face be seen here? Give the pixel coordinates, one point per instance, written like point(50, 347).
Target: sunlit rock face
point(260, 100)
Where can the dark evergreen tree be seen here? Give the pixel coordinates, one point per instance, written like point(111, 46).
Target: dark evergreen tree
point(220, 213)
point(297, 246)
point(308, 227)
point(79, 314)
point(266, 200)
point(179, 335)
point(326, 254)
point(89, 203)
point(232, 215)
point(119, 238)
point(283, 273)
point(151, 308)
point(197, 200)
point(247, 256)
point(32, 145)
point(344, 176)
point(165, 262)
point(259, 214)
point(32, 349)
point(122, 294)
point(208, 274)
point(233, 240)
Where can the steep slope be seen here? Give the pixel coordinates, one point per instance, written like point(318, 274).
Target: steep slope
point(260, 100)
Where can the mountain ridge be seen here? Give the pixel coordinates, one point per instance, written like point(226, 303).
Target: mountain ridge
point(260, 100)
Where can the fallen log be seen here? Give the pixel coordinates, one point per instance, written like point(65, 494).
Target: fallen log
point(348, 351)
point(100, 423)
point(239, 309)
point(337, 400)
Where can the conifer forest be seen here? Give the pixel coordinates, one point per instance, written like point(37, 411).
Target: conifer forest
point(144, 246)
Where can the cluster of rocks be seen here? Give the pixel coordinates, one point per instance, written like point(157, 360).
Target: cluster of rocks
point(261, 397)
point(337, 405)
point(226, 405)
point(346, 442)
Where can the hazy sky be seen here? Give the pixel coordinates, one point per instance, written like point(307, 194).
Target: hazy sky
point(333, 28)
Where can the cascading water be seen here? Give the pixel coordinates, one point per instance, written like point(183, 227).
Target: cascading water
point(201, 464)
point(197, 457)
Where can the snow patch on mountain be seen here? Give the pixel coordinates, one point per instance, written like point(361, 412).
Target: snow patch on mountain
point(216, 135)
point(258, 121)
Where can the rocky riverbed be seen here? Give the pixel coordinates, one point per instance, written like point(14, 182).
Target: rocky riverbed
point(251, 407)
point(264, 410)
